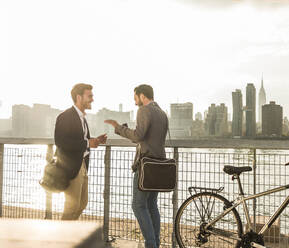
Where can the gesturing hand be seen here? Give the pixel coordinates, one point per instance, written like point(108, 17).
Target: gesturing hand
point(111, 122)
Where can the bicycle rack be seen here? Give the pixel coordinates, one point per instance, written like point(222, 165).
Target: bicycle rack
point(201, 189)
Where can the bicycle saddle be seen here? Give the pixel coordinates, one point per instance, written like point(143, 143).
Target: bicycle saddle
point(232, 170)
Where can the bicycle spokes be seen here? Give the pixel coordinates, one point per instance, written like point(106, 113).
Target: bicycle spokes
point(194, 216)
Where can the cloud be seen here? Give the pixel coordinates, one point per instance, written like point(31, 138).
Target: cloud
point(232, 3)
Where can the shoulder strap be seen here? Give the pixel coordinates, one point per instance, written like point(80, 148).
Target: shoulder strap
point(170, 136)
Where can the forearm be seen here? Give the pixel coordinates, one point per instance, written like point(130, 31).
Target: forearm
point(138, 134)
point(131, 134)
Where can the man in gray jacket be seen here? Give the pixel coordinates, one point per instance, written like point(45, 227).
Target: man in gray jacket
point(150, 135)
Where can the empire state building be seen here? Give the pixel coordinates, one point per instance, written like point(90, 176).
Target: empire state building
point(262, 100)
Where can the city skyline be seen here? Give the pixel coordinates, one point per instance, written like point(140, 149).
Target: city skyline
point(134, 108)
point(39, 120)
point(195, 52)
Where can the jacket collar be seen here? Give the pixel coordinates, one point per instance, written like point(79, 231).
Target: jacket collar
point(81, 115)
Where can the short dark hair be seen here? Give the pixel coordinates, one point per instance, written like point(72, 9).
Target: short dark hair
point(79, 89)
point(145, 89)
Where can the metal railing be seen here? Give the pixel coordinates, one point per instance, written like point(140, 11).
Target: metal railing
point(200, 163)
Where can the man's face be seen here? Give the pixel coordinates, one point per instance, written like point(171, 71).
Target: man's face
point(137, 100)
point(86, 99)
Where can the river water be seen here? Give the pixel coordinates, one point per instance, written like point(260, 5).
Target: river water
point(23, 167)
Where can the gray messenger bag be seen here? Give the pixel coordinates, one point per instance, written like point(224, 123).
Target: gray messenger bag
point(54, 179)
point(157, 175)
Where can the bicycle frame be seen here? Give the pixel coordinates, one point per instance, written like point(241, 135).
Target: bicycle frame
point(242, 200)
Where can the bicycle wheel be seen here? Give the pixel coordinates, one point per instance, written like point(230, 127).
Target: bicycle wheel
point(196, 212)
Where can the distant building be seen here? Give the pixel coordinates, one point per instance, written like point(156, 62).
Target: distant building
point(42, 120)
point(198, 128)
point(21, 120)
point(250, 110)
point(262, 100)
point(120, 107)
point(221, 125)
point(38, 121)
point(229, 117)
point(182, 110)
point(198, 116)
point(5, 127)
point(237, 122)
point(211, 120)
point(205, 114)
point(99, 127)
point(216, 122)
point(181, 119)
point(272, 119)
point(285, 128)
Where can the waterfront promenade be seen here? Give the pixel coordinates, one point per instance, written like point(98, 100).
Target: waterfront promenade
point(200, 163)
point(25, 233)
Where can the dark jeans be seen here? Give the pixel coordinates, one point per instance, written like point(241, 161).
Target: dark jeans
point(145, 208)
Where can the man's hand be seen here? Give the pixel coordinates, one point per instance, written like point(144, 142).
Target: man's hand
point(93, 143)
point(102, 138)
point(111, 122)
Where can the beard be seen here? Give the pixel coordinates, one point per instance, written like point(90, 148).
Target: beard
point(140, 103)
point(86, 105)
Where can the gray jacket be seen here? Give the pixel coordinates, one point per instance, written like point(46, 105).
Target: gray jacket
point(150, 133)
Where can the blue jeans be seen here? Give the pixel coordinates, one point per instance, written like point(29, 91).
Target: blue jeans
point(145, 208)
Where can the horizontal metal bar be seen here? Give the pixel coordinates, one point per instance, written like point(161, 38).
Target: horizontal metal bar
point(281, 144)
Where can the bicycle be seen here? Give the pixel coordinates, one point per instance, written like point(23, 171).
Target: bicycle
point(207, 219)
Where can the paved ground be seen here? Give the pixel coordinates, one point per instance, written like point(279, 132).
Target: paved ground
point(125, 244)
point(25, 233)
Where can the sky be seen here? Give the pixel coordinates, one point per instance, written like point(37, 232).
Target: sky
point(188, 50)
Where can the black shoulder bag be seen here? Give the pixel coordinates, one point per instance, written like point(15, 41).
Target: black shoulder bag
point(156, 174)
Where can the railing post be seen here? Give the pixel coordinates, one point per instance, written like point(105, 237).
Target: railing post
point(106, 195)
point(1, 176)
point(48, 210)
point(175, 198)
point(254, 187)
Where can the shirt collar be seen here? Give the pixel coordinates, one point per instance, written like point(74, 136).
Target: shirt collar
point(81, 115)
point(153, 103)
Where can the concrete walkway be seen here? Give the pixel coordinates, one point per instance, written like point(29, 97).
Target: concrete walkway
point(27, 233)
point(125, 244)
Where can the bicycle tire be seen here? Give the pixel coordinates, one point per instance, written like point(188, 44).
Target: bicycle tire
point(189, 222)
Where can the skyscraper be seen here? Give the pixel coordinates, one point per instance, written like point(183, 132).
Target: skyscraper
point(221, 125)
point(272, 119)
point(237, 122)
point(181, 119)
point(182, 110)
point(210, 120)
point(250, 110)
point(198, 116)
point(262, 100)
point(216, 122)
